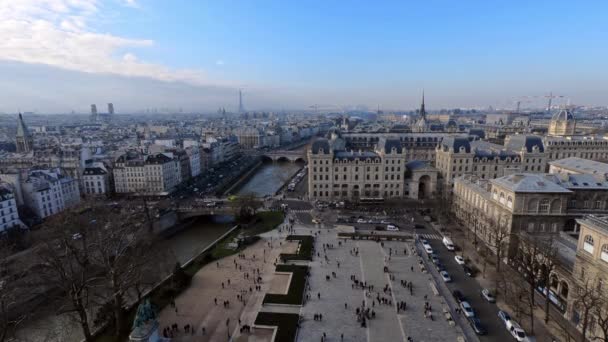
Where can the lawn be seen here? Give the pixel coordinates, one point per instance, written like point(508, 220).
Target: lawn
point(305, 251)
point(295, 293)
point(287, 324)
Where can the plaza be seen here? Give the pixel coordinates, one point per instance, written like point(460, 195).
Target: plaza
point(332, 296)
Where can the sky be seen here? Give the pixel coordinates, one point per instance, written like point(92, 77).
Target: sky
point(62, 55)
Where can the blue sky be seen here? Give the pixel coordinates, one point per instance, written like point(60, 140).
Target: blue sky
point(290, 54)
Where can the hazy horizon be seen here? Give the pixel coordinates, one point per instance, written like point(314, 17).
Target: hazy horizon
point(58, 56)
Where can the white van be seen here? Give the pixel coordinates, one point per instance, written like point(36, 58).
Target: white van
point(391, 227)
point(447, 242)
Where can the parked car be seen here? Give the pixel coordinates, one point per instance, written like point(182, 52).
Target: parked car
point(459, 259)
point(476, 325)
point(434, 258)
point(385, 222)
point(439, 266)
point(316, 221)
point(445, 276)
point(392, 228)
point(505, 318)
point(467, 310)
point(459, 296)
point(487, 295)
point(428, 249)
point(361, 221)
point(517, 332)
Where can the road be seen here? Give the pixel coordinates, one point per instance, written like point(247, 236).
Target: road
point(469, 287)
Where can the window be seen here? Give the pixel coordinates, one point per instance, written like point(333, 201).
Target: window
point(588, 244)
point(604, 253)
point(544, 206)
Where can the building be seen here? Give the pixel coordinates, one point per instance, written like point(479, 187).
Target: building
point(93, 112)
point(194, 157)
point(250, 137)
point(562, 123)
point(48, 192)
point(338, 173)
point(459, 156)
point(96, 179)
point(577, 166)
point(24, 140)
point(526, 202)
point(9, 216)
point(140, 174)
point(110, 108)
point(590, 275)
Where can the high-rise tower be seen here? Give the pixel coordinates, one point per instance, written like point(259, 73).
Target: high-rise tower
point(241, 107)
point(93, 112)
point(24, 140)
point(110, 108)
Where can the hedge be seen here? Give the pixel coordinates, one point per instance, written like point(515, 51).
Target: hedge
point(286, 323)
point(295, 293)
point(305, 251)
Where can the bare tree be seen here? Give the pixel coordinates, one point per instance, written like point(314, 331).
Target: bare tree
point(12, 287)
point(601, 315)
point(586, 300)
point(66, 265)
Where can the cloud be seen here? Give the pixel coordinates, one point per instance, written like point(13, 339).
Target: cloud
point(219, 62)
point(57, 33)
point(131, 3)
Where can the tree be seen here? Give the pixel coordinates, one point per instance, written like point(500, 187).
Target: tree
point(601, 315)
point(13, 286)
point(247, 206)
point(587, 299)
point(66, 264)
point(121, 247)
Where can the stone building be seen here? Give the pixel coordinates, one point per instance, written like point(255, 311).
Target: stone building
point(459, 156)
point(9, 216)
point(338, 173)
point(156, 174)
point(525, 202)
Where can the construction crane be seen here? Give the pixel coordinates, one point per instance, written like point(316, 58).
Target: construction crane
point(551, 97)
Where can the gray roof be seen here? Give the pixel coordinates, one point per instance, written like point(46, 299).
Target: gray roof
point(456, 143)
point(364, 155)
point(581, 165)
point(518, 142)
point(387, 144)
point(417, 165)
point(320, 144)
point(478, 132)
point(582, 182)
point(531, 182)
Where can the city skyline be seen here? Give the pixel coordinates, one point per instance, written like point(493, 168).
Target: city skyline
point(196, 56)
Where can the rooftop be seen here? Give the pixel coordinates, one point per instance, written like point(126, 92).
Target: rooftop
point(599, 222)
point(530, 182)
point(581, 165)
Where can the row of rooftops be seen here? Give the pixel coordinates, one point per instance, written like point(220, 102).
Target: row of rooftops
point(540, 183)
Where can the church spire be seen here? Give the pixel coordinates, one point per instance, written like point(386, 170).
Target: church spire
point(422, 110)
point(23, 138)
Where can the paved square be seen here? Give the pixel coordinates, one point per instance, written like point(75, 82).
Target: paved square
point(368, 266)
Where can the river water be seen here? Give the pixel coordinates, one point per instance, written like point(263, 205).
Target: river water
point(269, 178)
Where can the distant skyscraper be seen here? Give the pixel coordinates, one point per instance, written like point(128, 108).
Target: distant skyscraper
point(24, 140)
point(241, 107)
point(110, 108)
point(93, 112)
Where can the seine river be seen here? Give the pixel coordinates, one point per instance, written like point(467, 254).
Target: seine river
point(269, 178)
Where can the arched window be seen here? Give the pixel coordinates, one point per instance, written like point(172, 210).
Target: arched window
point(509, 202)
point(544, 206)
point(502, 198)
point(588, 244)
point(604, 253)
point(565, 289)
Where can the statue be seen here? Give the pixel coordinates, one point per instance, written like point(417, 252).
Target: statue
point(145, 323)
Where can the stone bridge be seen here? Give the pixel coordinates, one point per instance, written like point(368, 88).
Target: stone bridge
point(292, 156)
point(185, 211)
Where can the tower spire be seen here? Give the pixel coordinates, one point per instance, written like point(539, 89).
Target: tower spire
point(422, 110)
